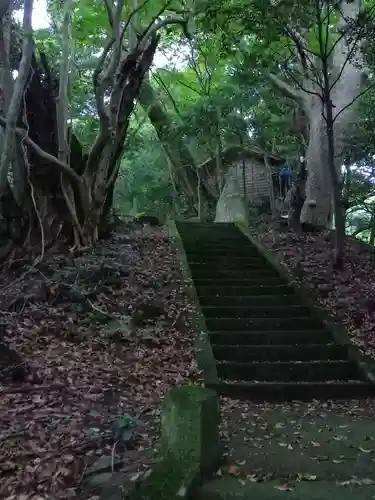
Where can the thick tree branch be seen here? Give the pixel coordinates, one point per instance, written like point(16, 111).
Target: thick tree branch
point(103, 117)
point(303, 88)
point(63, 167)
point(4, 7)
point(109, 8)
point(286, 89)
point(167, 22)
point(364, 91)
point(145, 33)
point(353, 49)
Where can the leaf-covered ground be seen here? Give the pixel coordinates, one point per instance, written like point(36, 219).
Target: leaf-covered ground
point(348, 293)
point(286, 444)
point(103, 335)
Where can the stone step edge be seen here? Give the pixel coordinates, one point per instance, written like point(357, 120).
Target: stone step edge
point(277, 346)
point(285, 363)
point(255, 318)
point(255, 306)
point(280, 331)
point(239, 298)
point(294, 391)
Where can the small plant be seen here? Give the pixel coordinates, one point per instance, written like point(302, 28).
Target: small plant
point(124, 430)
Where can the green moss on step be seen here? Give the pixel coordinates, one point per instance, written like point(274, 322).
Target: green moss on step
point(190, 422)
point(189, 444)
point(205, 358)
point(170, 479)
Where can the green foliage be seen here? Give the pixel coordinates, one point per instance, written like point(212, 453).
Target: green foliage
point(144, 183)
point(214, 89)
point(124, 427)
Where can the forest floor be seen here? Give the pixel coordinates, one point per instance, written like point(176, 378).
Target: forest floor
point(102, 336)
point(320, 449)
point(348, 294)
point(105, 335)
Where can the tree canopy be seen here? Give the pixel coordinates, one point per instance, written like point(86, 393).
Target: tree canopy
point(148, 92)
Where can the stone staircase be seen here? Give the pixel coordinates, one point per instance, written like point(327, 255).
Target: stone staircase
point(266, 343)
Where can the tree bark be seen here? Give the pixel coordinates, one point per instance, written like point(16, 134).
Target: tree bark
point(9, 144)
point(372, 233)
point(345, 82)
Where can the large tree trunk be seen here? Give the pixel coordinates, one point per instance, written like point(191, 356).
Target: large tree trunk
point(77, 206)
point(317, 208)
point(345, 82)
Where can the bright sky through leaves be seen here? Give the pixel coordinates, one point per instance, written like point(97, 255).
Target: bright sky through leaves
point(40, 16)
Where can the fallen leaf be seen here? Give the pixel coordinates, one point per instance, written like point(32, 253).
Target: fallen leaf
point(366, 481)
point(253, 478)
point(79, 374)
point(284, 487)
point(339, 438)
point(309, 477)
point(135, 477)
point(279, 425)
point(234, 470)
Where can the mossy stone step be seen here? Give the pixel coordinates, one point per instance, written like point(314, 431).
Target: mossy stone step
point(289, 391)
point(191, 239)
point(251, 263)
point(289, 371)
point(308, 352)
point(255, 280)
point(224, 245)
point(204, 225)
point(270, 337)
point(243, 291)
point(242, 263)
point(239, 259)
point(268, 301)
point(229, 233)
point(222, 272)
point(292, 324)
point(216, 251)
point(257, 311)
point(258, 327)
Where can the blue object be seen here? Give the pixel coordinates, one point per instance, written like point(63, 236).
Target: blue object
point(285, 172)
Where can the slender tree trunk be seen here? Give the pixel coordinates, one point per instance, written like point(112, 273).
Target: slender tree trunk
point(9, 145)
point(62, 115)
point(335, 182)
point(372, 234)
point(219, 163)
